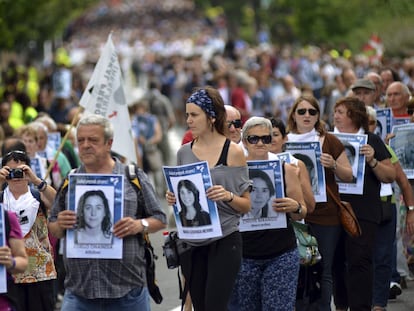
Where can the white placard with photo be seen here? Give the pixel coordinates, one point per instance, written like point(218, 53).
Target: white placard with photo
point(310, 153)
point(384, 122)
point(53, 140)
point(196, 216)
point(268, 183)
point(400, 120)
point(353, 144)
point(403, 146)
point(37, 168)
point(285, 157)
point(98, 201)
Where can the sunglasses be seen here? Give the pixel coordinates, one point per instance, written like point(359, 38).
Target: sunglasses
point(254, 139)
point(15, 153)
point(302, 111)
point(236, 123)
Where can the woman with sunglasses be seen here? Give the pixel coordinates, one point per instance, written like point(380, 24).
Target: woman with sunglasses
point(270, 266)
point(304, 125)
point(279, 138)
point(350, 116)
point(210, 266)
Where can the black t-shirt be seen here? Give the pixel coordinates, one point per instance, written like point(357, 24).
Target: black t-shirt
point(266, 244)
point(367, 206)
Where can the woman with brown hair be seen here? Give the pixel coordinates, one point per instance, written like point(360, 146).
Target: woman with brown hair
point(304, 125)
point(350, 116)
point(211, 265)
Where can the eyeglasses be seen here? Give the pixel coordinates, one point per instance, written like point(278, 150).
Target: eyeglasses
point(302, 111)
point(236, 123)
point(254, 139)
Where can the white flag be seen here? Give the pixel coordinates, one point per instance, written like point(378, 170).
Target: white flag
point(105, 96)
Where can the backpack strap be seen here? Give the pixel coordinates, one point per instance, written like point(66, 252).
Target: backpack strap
point(131, 172)
point(36, 194)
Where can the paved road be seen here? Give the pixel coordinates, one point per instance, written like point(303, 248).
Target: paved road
point(168, 282)
point(405, 302)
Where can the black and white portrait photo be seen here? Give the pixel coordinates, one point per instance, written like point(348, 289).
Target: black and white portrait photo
point(94, 219)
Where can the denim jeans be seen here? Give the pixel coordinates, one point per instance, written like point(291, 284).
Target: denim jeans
point(383, 253)
point(137, 300)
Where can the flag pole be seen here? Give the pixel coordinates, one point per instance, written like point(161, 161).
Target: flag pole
point(68, 130)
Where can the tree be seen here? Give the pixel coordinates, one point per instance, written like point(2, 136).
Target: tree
point(23, 22)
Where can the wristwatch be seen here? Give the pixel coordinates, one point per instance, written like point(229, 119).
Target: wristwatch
point(410, 208)
point(299, 210)
point(145, 225)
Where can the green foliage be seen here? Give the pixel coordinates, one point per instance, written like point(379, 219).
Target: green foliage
point(23, 21)
point(324, 22)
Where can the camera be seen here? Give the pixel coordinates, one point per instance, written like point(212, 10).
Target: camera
point(15, 173)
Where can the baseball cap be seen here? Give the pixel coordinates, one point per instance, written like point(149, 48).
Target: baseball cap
point(363, 83)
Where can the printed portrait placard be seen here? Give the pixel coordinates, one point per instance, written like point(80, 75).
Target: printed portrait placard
point(268, 183)
point(353, 144)
point(403, 146)
point(384, 122)
point(195, 215)
point(310, 154)
point(53, 140)
point(98, 202)
point(400, 121)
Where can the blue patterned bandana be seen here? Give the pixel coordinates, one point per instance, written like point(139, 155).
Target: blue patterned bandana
point(201, 99)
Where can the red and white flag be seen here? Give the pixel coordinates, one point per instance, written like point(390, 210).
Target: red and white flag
point(105, 96)
point(374, 48)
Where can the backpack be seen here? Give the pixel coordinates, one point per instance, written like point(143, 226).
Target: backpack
point(132, 172)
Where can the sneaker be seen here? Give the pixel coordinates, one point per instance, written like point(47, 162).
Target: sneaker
point(395, 290)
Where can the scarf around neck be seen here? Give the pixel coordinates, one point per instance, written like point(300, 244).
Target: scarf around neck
point(313, 135)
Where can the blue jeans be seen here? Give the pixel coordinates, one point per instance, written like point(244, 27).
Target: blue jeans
point(328, 239)
point(137, 300)
point(383, 253)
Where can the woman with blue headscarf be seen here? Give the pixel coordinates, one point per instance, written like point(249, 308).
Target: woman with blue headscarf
point(211, 265)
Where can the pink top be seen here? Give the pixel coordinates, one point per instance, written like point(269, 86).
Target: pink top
point(16, 233)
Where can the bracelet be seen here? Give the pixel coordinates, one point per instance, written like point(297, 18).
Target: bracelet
point(231, 197)
point(334, 166)
point(375, 165)
point(42, 186)
point(13, 264)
